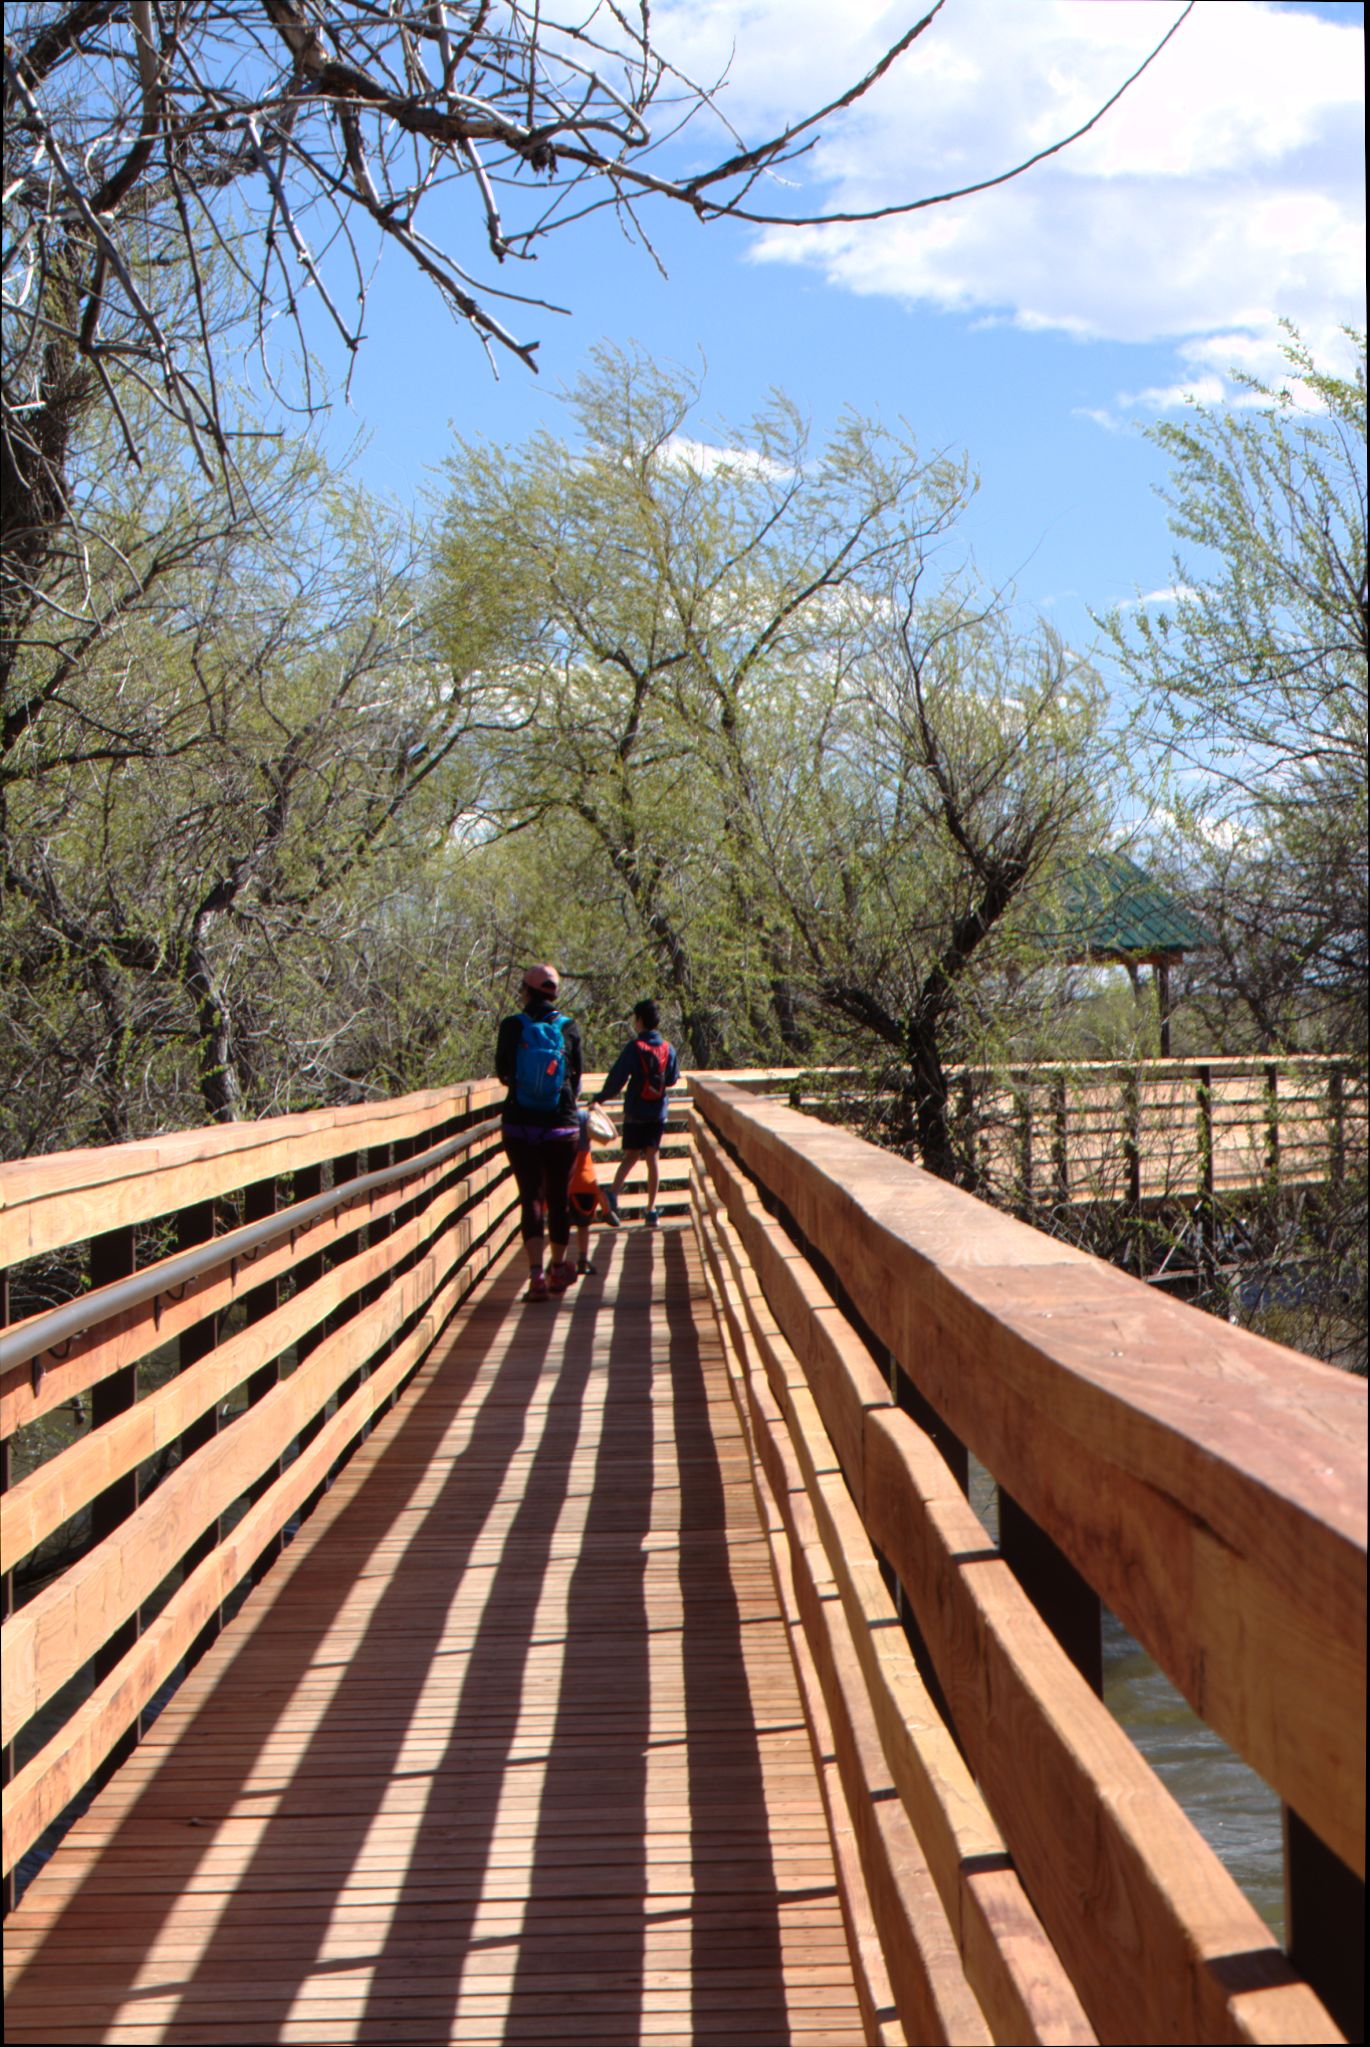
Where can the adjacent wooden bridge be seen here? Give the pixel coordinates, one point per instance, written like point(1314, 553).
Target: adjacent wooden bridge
point(1155, 1131)
point(413, 1663)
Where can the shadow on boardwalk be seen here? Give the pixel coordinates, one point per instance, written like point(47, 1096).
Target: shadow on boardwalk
point(496, 1751)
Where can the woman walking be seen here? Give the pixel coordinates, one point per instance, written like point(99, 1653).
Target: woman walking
point(538, 1057)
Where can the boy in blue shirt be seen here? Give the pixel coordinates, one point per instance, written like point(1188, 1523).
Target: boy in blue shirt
point(647, 1068)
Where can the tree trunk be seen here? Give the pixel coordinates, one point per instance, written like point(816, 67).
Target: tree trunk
point(707, 1044)
point(928, 1087)
point(794, 1036)
point(220, 1081)
point(35, 446)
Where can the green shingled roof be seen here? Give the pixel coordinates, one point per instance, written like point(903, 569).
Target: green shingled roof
point(1109, 908)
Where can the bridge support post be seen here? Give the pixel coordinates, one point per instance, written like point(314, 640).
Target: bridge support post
point(1067, 1602)
point(307, 1182)
point(1336, 1127)
point(7, 1588)
point(1022, 1089)
point(1324, 1911)
point(911, 1402)
point(196, 1225)
point(1132, 1145)
point(349, 1167)
point(259, 1201)
point(1207, 1216)
point(112, 1257)
point(1060, 1157)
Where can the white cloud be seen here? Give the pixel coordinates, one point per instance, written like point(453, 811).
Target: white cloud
point(1174, 593)
point(705, 457)
point(1224, 190)
point(1204, 390)
point(1100, 415)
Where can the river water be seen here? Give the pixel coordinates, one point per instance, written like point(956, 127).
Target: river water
point(1235, 1810)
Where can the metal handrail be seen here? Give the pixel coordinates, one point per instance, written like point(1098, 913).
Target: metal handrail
point(52, 1326)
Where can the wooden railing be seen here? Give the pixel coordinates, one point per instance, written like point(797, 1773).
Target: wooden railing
point(1153, 1130)
point(1015, 1869)
point(243, 1301)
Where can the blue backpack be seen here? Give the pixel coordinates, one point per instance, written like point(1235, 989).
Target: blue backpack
point(541, 1066)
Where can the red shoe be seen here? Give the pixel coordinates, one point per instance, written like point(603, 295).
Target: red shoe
point(559, 1277)
point(538, 1289)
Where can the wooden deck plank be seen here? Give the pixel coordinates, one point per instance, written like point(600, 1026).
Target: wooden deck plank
point(507, 1747)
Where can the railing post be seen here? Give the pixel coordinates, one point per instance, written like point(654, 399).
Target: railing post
point(349, 1167)
point(7, 1590)
point(968, 1119)
point(1067, 1602)
point(259, 1201)
point(376, 1160)
point(1060, 1158)
point(1272, 1126)
point(1336, 1127)
point(1132, 1141)
point(401, 1150)
point(1324, 1910)
point(112, 1257)
point(195, 1225)
point(1023, 1091)
point(1207, 1215)
point(307, 1182)
point(911, 1402)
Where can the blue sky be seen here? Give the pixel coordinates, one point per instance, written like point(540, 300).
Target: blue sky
point(1032, 327)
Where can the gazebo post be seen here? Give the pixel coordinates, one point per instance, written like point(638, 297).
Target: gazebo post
point(1161, 970)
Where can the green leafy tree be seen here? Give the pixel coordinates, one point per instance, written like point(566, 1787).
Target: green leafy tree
point(680, 614)
point(1254, 682)
point(825, 779)
point(221, 798)
point(967, 765)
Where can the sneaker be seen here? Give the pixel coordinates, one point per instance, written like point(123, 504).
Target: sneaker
point(586, 1269)
point(559, 1277)
point(611, 1202)
point(538, 1288)
point(652, 1218)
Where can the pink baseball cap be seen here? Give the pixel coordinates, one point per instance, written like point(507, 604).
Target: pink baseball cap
point(543, 980)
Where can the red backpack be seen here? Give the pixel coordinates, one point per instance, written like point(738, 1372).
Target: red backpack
point(652, 1062)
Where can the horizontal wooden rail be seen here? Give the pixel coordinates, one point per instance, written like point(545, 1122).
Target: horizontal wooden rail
point(72, 1196)
point(1207, 1485)
point(56, 1329)
point(227, 1378)
point(227, 1381)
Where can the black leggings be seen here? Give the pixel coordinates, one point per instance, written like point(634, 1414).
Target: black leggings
point(543, 1171)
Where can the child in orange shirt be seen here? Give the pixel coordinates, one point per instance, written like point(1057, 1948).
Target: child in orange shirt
point(585, 1197)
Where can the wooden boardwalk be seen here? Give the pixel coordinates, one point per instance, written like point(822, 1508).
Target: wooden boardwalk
point(507, 1747)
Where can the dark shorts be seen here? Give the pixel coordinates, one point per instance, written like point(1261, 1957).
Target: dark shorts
point(642, 1136)
point(583, 1204)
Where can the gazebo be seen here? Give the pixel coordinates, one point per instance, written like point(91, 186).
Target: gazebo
point(1112, 913)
